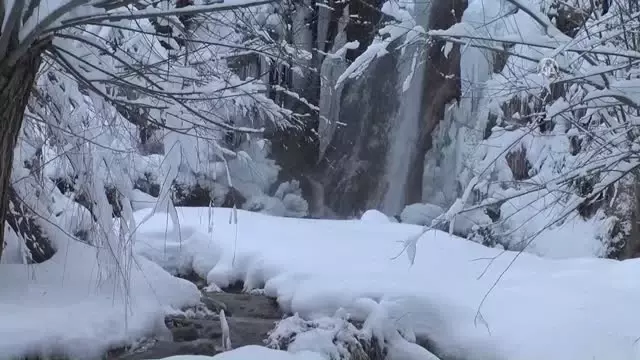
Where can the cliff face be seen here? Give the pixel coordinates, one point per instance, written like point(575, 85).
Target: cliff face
point(363, 142)
point(375, 157)
point(353, 167)
point(441, 86)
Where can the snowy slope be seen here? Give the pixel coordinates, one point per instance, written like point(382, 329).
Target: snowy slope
point(541, 309)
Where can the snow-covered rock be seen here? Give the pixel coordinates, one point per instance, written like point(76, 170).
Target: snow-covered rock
point(420, 214)
point(374, 216)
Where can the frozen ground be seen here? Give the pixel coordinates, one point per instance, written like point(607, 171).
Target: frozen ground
point(541, 309)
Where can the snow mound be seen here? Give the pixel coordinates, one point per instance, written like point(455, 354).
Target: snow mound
point(333, 337)
point(573, 308)
point(68, 305)
point(374, 216)
point(420, 214)
point(189, 251)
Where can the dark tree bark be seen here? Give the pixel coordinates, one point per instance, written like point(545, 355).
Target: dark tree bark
point(16, 82)
point(25, 224)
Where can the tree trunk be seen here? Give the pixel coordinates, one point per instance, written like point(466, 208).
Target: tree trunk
point(15, 87)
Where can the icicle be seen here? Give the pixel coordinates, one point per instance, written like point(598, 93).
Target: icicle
point(226, 337)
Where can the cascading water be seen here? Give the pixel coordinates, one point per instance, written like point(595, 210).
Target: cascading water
point(377, 127)
point(405, 125)
point(369, 155)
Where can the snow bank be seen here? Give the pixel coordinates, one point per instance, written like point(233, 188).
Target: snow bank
point(67, 304)
point(542, 308)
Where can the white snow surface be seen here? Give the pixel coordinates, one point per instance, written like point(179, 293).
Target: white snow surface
point(253, 353)
point(374, 216)
point(570, 309)
point(67, 304)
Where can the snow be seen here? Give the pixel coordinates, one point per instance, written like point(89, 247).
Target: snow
point(420, 214)
point(541, 308)
point(253, 352)
point(374, 216)
point(69, 304)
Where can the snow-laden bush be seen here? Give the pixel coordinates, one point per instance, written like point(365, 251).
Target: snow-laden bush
point(137, 95)
point(552, 148)
point(335, 338)
point(287, 201)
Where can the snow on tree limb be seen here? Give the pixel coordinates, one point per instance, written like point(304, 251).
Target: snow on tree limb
point(117, 68)
point(48, 18)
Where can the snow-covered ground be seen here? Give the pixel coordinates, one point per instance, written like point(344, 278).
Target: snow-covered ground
point(75, 304)
point(253, 352)
point(541, 308)
point(571, 309)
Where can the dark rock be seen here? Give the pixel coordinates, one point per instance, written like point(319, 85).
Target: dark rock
point(244, 331)
point(162, 349)
point(187, 333)
point(442, 354)
point(441, 85)
point(213, 303)
point(235, 288)
point(194, 278)
point(202, 336)
point(148, 184)
point(233, 198)
point(191, 195)
point(353, 165)
point(246, 305)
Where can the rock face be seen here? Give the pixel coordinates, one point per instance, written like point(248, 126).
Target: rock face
point(442, 85)
point(354, 162)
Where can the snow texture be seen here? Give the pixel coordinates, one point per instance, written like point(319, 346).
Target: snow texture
point(374, 216)
point(540, 308)
point(253, 352)
point(496, 121)
point(68, 305)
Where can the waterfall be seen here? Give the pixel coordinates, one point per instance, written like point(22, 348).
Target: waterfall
point(405, 125)
point(391, 137)
point(374, 130)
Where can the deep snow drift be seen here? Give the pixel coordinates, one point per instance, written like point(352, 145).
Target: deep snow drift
point(541, 308)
